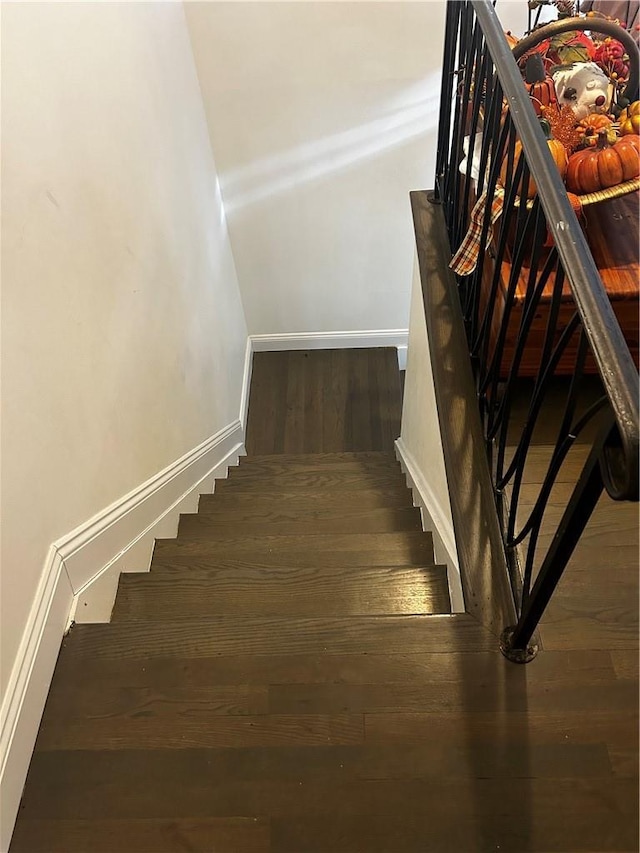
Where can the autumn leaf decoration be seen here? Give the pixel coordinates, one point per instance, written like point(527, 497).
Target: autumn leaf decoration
point(567, 48)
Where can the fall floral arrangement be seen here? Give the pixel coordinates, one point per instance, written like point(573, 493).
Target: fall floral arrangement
point(579, 72)
point(582, 76)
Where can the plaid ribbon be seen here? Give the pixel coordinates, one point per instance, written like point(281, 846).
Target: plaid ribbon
point(465, 259)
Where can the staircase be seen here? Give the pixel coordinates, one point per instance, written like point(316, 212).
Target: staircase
point(288, 537)
point(256, 637)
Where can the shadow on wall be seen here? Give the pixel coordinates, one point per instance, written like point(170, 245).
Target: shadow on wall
point(408, 117)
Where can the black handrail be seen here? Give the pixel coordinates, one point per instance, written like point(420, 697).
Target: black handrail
point(480, 77)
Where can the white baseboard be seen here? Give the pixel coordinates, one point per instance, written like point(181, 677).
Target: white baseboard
point(330, 340)
point(89, 549)
point(80, 580)
point(29, 685)
point(434, 519)
point(246, 383)
point(94, 602)
point(110, 542)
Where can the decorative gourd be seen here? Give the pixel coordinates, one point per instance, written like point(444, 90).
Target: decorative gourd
point(542, 94)
point(592, 124)
point(557, 150)
point(605, 165)
point(630, 119)
point(542, 90)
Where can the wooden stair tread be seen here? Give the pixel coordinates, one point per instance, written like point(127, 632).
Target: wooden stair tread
point(339, 456)
point(454, 677)
point(336, 479)
point(328, 541)
point(293, 461)
point(274, 512)
point(260, 561)
point(305, 549)
point(368, 591)
point(246, 573)
point(275, 635)
point(347, 499)
point(341, 520)
point(269, 466)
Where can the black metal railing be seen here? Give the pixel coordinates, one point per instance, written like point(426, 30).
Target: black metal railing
point(537, 255)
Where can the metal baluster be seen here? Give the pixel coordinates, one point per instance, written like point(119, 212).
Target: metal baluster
point(466, 62)
point(446, 96)
point(515, 640)
point(520, 456)
point(452, 177)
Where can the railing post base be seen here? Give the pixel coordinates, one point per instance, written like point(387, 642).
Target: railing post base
point(516, 655)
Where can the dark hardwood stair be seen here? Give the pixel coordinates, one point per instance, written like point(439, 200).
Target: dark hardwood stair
point(363, 462)
point(347, 519)
point(294, 560)
point(310, 551)
point(370, 471)
point(344, 591)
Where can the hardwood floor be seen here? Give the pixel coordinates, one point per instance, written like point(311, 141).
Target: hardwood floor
point(323, 401)
point(274, 685)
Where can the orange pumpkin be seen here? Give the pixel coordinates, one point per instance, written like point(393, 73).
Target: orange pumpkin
point(591, 125)
point(557, 151)
point(605, 165)
point(630, 119)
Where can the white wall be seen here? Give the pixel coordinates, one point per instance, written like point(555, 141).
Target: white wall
point(123, 331)
point(323, 116)
point(514, 15)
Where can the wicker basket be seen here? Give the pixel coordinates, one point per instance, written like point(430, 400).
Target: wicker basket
point(600, 195)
